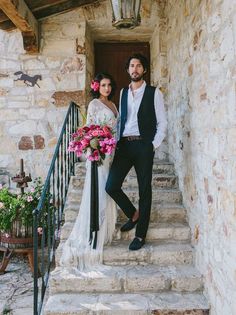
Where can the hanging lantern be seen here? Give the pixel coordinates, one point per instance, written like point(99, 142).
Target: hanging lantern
point(126, 13)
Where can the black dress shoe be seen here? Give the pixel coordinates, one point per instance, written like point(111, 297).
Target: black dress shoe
point(129, 225)
point(136, 244)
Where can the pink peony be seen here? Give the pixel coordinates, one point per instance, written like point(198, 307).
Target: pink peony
point(95, 141)
point(95, 85)
point(84, 143)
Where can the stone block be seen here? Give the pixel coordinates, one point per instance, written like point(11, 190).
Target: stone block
point(158, 181)
point(60, 48)
point(28, 127)
point(159, 213)
point(25, 143)
point(6, 160)
point(39, 142)
point(148, 278)
point(158, 195)
point(130, 304)
point(9, 114)
point(156, 231)
point(63, 98)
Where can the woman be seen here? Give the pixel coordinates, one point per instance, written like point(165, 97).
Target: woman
point(78, 250)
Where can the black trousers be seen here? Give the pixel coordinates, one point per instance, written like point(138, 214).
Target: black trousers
point(139, 154)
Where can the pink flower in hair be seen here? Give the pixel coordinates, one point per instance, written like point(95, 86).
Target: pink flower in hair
point(95, 85)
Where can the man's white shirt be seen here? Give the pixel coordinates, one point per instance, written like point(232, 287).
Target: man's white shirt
point(134, 101)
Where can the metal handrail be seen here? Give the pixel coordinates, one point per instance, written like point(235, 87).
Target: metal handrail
point(48, 214)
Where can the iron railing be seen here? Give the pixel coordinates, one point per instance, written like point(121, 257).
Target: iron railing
point(48, 214)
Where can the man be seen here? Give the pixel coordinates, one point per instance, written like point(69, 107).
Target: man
point(142, 129)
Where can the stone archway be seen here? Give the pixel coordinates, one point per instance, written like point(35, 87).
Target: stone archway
point(152, 30)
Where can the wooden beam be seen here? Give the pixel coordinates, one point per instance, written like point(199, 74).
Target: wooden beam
point(57, 7)
point(19, 14)
point(41, 4)
point(3, 17)
point(7, 26)
point(22, 17)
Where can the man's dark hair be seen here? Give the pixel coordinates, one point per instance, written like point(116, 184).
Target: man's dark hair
point(141, 58)
point(98, 78)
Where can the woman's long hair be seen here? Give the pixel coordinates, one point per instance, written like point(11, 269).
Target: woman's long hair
point(98, 78)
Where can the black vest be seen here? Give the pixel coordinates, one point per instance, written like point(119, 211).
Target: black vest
point(147, 121)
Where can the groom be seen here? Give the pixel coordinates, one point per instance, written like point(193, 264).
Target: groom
point(142, 130)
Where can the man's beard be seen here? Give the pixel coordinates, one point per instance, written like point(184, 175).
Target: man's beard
point(137, 78)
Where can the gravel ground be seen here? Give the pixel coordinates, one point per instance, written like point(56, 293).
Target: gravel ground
point(16, 288)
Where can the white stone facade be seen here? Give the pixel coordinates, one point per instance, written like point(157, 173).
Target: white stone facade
point(193, 50)
point(201, 51)
point(27, 113)
point(31, 117)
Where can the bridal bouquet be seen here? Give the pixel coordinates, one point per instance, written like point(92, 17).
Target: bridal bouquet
point(94, 140)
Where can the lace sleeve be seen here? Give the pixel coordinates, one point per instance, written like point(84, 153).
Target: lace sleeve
point(91, 114)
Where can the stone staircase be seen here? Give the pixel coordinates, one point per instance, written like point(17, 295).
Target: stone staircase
point(158, 279)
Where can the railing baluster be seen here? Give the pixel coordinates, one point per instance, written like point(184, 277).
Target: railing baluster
point(58, 192)
point(67, 156)
point(73, 122)
point(35, 230)
point(64, 160)
point(49, 231)
point(42, 269)
point(61, 178)
point(51, 205)
point(53, 187)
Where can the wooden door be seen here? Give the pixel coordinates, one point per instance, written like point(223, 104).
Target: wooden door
point(111, 58)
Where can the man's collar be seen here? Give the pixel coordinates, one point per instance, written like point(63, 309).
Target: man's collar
point(142, 87)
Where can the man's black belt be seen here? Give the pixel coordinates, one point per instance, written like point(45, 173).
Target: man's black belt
point(131, 138)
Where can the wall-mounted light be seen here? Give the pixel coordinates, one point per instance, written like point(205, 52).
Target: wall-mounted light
point(126, 13)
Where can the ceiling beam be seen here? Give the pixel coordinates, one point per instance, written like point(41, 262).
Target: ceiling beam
point(40, 4)
point(7, 26)
point(57, 7)
point(19, 13)
point(3, 17)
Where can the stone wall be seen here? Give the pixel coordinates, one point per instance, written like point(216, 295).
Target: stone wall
point(201, 46)
point(158, 67)
point(31, 116)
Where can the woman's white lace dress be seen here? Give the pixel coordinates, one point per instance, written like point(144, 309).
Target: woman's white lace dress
point(77, 250)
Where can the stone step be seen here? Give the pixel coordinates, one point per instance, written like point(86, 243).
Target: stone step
point(161, 253)
point(167, 212)
point(158, 181)
point(126, 279)
point(156, 231)
point(160, 195)
point(166, 303)
point(160, 212)
point(160, 167)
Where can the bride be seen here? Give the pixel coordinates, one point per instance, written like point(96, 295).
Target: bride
point(78, 249)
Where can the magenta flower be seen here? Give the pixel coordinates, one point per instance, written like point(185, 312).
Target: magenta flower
point(95, 85)
point(94, 141)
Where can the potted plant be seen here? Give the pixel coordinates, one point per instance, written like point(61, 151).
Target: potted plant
point(16, 218)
